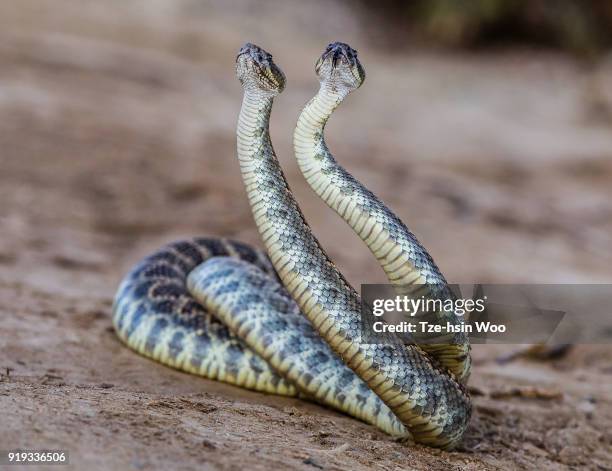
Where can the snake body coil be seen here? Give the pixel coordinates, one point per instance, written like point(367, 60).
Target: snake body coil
point(289, 323)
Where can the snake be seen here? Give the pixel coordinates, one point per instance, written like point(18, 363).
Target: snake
point(284, 320)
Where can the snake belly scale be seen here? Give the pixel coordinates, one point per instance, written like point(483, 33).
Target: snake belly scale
point(286, 321)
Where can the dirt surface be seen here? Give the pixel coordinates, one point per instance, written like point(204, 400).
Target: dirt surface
point(117, 135)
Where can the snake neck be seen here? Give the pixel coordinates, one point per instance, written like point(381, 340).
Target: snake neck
point(406, 263)
point(299, 260)
point(306, 271)
point(352, 200)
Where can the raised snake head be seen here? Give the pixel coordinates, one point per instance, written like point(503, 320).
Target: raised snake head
point(339, 69)
point(257, 71)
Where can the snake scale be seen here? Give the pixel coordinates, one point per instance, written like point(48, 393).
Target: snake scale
point(287, 322)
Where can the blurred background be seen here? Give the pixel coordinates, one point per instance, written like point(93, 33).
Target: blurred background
point(485, 125)
point(579, 27)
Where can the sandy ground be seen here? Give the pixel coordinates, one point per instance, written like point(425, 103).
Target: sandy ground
point(116, 136)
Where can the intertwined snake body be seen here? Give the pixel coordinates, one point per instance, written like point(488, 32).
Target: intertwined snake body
point(288, 322)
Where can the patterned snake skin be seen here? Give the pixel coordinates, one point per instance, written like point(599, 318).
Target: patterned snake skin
point(289, 323)
point(405, 261)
